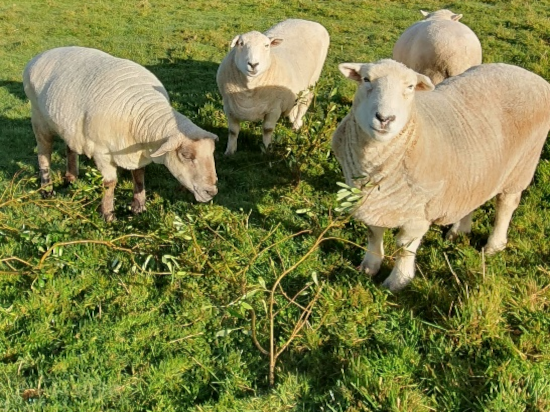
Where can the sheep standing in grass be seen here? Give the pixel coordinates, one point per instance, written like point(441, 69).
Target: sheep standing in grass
point(435, 156)
point(119, 113)
point(439, 46)
point(268, 75)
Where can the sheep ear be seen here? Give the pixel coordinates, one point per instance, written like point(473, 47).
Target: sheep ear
point(171, 144)
point(424, 13)
point(211, 136)
point(351, 70)
point(234, 41)
point(456, 17)
point(424, 83)
point(275, 42)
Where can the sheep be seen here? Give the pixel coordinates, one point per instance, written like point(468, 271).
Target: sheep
point(118, 113)
point(436, 156)
point(439, 46)
point(268, 75)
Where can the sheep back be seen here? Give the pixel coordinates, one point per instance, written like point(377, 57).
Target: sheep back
point(97, 102)
point(438, 48)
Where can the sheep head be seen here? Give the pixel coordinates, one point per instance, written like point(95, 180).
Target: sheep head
point(190, 159)
point(384, 100)
point(253, 52)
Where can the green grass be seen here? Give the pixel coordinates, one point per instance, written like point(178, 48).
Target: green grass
point(155, 314)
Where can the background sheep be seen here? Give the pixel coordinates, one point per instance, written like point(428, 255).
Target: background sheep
point(434, 157)
point(268, 75)
point(439, 46)
point(117, 112)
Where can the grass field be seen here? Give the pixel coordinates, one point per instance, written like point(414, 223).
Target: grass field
point(154, 312)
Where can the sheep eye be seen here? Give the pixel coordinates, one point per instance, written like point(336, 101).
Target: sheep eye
point(366, 79)
point(411, 87)
point(266, 46)
point(240, 43)
point(187, 155)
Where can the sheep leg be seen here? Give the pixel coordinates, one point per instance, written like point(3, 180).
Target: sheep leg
point(464, 225)
point(234, 128)
point(108, 171)
point(507, 203)
point(270, 120)
point(138, 204)
point(44, 142)
point(375, 251)
point(408, 240)
point(300, 110)
point(72, 166)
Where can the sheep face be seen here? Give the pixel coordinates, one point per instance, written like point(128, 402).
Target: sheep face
point(383, 103)
point(191, 161)
point(253, 52)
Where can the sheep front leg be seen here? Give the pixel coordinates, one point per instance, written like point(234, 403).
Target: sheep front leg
point(44, 142)
point(138, 204)
point(375, 251)
point(72, 166)
point(408, 240)
point(464, 225)
point(234, 128)
point(507, 203)
point(270, 120)
point(108, 171)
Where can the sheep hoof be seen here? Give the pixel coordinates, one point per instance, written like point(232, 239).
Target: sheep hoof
point(395, 285)
point(69, 179)
point(230, 152)
point(369, 267)
point(109, 217)
point(138, 207)
point(493, 249)
point(47, 194)
point(297, 125)
point(452, 235)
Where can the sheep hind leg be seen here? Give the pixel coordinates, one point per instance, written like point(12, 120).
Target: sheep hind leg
point(72, 166)
point(44, 142)
point(464, 225)
point(408, 240)
point(298, 112)
point(270, 120)
point(234, 128)
point(138, 204)
point(375, 251)
point(506, 204)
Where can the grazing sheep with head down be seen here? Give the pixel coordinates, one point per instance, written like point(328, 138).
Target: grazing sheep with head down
point(119, 113)
point(435, 156)
point(268, 75)
point(439, 46)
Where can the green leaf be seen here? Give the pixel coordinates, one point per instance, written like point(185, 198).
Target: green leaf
point(261, 281)
point(223, 332)
point(246, 305)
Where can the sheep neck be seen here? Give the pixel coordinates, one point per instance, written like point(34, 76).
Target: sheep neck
point(376, 160)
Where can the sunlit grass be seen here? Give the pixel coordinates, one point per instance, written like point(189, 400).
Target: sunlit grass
point(152, 312)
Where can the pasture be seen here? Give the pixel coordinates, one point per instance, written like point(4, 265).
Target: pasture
point(195, 307)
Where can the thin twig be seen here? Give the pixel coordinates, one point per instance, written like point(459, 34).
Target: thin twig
point(451, 269)
point(253, 330)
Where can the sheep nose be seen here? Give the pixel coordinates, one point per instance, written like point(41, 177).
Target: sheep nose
point(384, 121)
point(253, 65)
point(212, 191)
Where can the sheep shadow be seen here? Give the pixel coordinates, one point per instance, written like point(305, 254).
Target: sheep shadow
point(16, 135)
